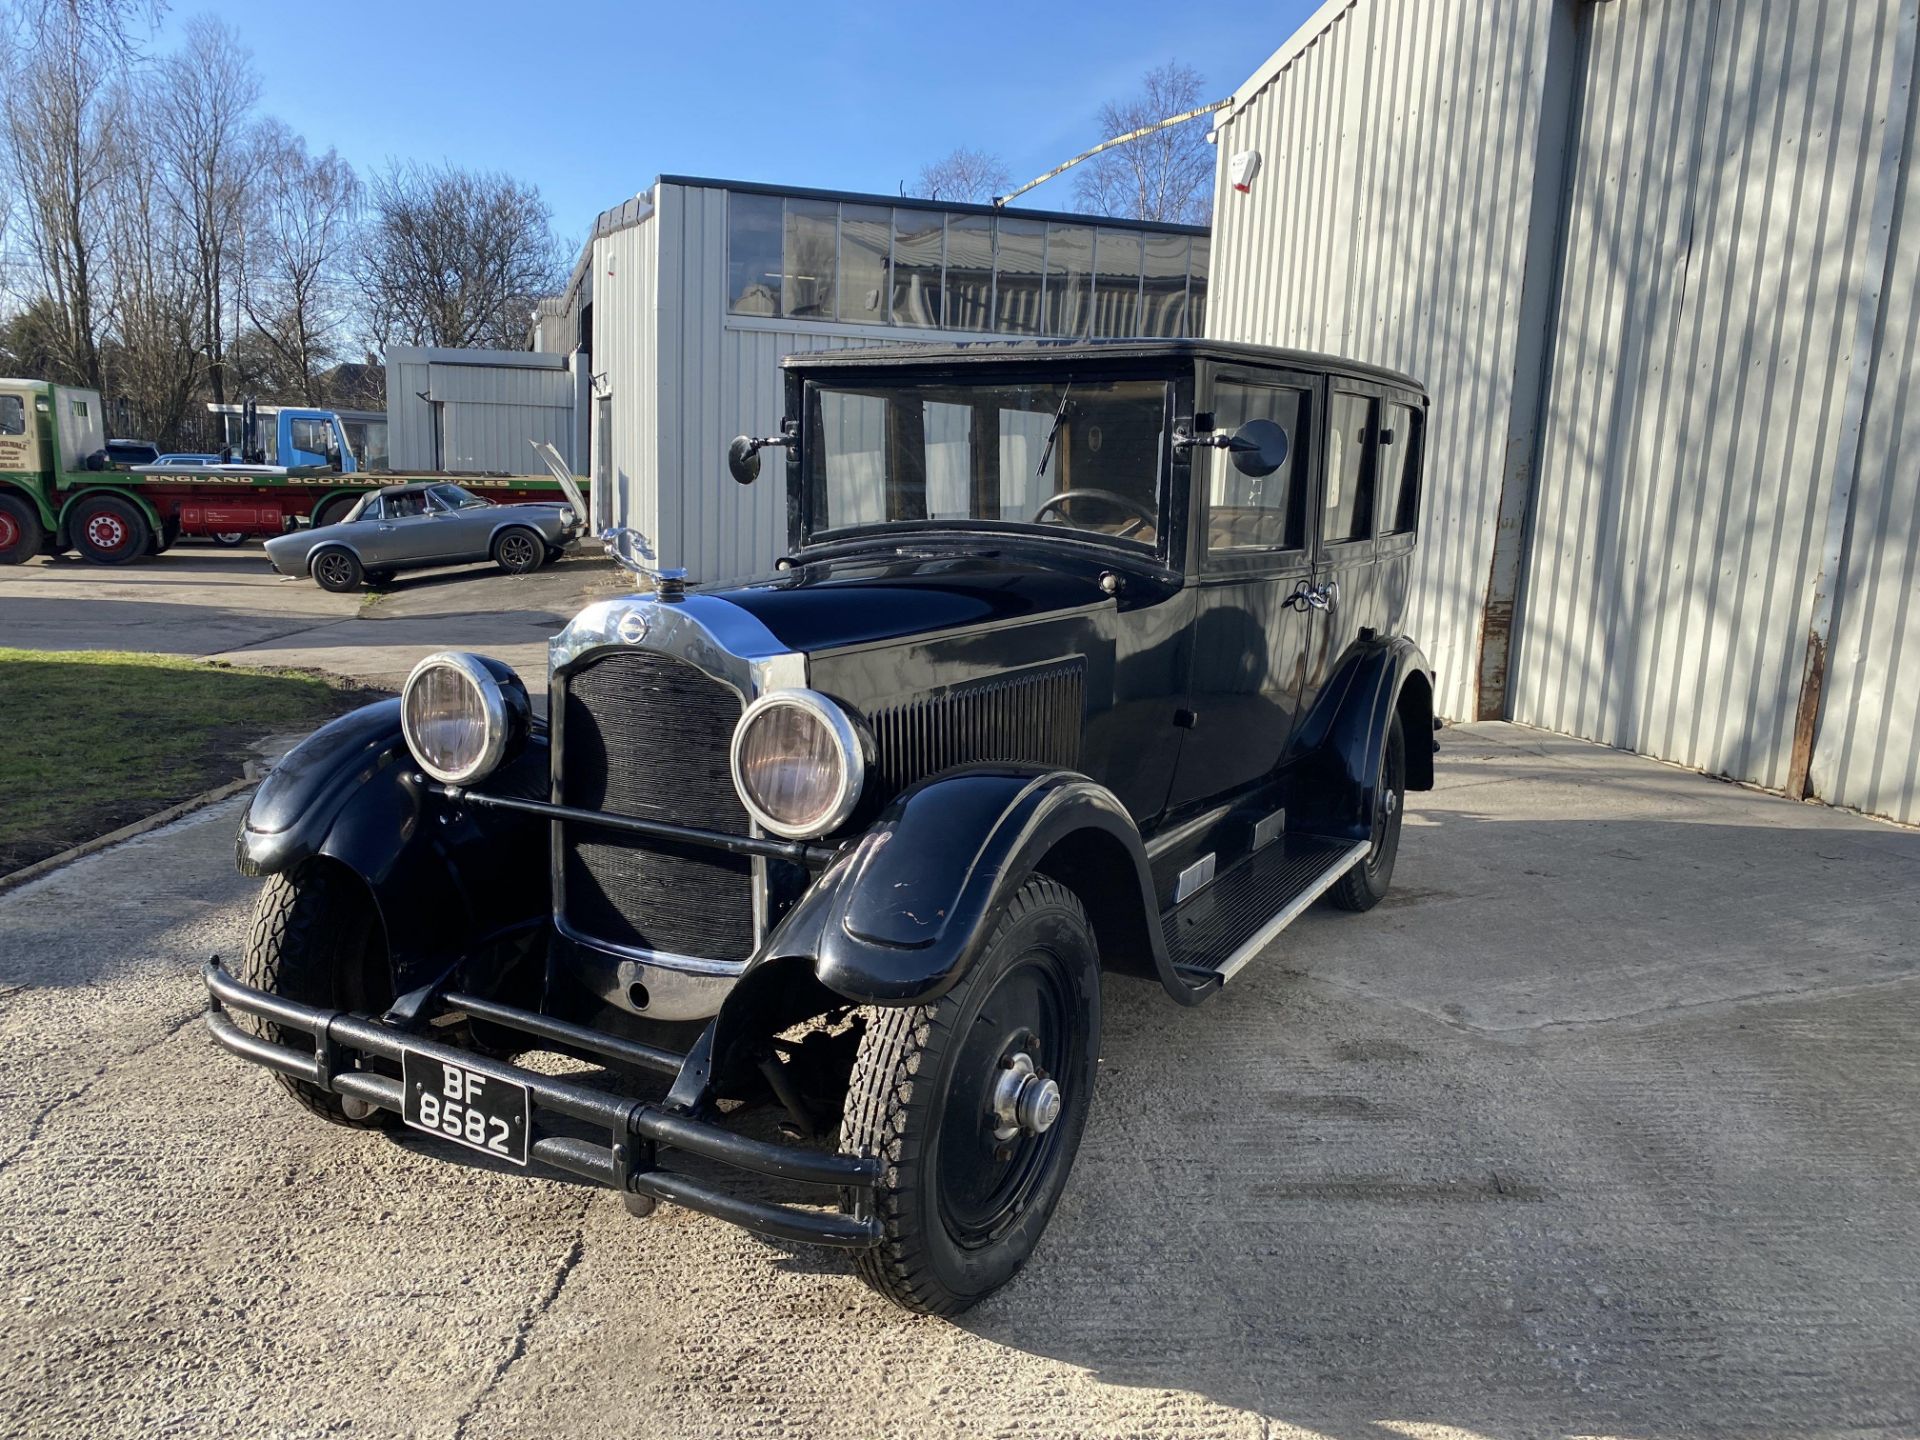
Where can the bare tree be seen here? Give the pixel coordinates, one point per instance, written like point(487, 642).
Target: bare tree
point(1165, 175)
point(296, 256)
point(152, 358)
point(967, 175)
point(59, 129)
point(200, 107)
point(454, 257)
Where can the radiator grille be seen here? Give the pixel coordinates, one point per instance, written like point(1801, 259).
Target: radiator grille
point(645, 734)
point(1030, 716)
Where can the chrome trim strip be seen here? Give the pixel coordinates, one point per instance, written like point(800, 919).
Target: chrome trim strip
point(982, 627)
point(1160, 844)
point(1293, 910)
point(663, 959)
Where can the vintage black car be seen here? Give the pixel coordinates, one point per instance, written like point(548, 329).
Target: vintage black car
point(1083, 659)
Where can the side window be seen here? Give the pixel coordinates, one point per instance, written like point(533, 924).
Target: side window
point(1347, 513)
point(1400, 460)
point(13, 415)
point(1258, 512)
point(313, 436)
point(376, 509)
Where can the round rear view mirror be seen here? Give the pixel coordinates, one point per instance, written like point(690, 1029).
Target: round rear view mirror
point(743, 460)
point(1258, 448)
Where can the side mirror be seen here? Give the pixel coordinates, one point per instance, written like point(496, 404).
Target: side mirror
point(1258, 448)
point(743, 459)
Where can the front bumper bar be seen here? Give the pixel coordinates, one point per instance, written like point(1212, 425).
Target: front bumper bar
point(637, 1130)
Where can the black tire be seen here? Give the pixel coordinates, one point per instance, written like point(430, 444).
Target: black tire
point(316, 939)
point(21, 533)
point(230, 538)
point(1365, 885)
point(337, 569)
point(961, 1210)
point(108, 530)
point(518, 550)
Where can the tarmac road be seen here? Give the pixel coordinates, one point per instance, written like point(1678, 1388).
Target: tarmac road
point(1606, 1123)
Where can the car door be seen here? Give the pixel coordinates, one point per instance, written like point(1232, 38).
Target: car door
point(403, 535)
point(469, 530)
point(1347, 568)
point(1250, 556)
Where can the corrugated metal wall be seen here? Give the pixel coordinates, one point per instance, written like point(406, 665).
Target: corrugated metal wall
point(1390, 223)
point(1868, 749)
point(1708, 346)
point(487, 404)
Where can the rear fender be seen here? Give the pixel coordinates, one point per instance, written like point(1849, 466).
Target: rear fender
point(907, 911)
point(446, 880)
point(1334, 756)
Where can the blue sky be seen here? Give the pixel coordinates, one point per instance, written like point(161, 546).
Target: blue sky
point(590, 101)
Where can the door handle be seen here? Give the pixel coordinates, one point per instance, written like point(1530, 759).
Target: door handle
point(1308, 596)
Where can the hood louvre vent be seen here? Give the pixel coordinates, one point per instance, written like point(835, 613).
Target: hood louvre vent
point(1031, 717)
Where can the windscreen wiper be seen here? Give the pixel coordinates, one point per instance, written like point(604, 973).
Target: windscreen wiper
point(1058, 415)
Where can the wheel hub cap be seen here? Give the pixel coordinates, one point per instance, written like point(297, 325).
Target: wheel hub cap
point(1025, 1102)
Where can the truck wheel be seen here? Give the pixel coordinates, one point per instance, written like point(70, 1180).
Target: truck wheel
point(518, 551)
point(230, 537)
point(336, 570)
point(21, 533)
point(316, 939)
point(332, 512)
point(975, 1105)
point(110, 531)
point(1365, 885)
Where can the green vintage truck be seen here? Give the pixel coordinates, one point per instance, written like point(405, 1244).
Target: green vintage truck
point(59, 491)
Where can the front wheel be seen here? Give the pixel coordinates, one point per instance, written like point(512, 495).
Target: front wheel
point(337, 570)
point(519, 551)
point(1365, 885)
point(975, 1105)
point(316, 939)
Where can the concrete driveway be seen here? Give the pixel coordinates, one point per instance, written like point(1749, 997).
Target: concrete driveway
point(1606, 1123)
point(230, 605)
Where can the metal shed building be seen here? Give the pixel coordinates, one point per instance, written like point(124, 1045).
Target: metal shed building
point(478, 410)
point(686, 298)
point(1654, 258)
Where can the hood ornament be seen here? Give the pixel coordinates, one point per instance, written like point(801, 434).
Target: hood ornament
point(631, 550)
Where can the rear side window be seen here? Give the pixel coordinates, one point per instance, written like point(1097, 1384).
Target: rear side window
point(1258, 512)
point(1400, 460)
point(13, 415)
point(1351, 448)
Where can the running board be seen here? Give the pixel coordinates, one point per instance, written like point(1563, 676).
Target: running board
point(1230, 921)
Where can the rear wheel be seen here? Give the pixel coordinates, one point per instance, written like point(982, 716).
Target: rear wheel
point(975, 1105)
point(21, 533)
point(337, 570)
point(230, 537)
point(518, 551)
point(1365, 885)
point(109, 530)
point(316, 939)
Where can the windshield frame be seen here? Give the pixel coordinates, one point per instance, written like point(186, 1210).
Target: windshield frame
point(806, 481)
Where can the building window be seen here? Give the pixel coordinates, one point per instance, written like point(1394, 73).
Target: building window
point(1069, 279)
point(811, 259)
point(1163, 288)
point(969, 283)
point(1116, 283)
point(1197, 286)
point(1020, 267)
point(754, 232)
point(919, 254)
point(866, 237)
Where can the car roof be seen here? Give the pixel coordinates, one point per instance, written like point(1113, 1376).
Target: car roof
point(1053, 351)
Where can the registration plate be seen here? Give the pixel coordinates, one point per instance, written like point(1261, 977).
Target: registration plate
point(482, 1112)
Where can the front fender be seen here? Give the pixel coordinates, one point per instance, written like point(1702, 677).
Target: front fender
point(909, 909)
point(445, 879)
point(1334, 755)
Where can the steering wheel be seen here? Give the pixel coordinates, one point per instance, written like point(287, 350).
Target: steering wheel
point(1144, 513)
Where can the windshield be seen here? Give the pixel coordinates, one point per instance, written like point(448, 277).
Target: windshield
point(1082, 453)
point(454, 498)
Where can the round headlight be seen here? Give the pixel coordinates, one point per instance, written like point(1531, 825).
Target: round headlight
point(798, 763)
point(460, 713)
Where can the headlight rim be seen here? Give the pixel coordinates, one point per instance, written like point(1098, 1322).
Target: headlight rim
point(497, 722)
point(848, 739)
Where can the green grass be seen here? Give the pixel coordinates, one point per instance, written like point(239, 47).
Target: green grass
point(91, 740)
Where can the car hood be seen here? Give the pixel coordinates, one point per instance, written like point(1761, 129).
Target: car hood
point(828, 604)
